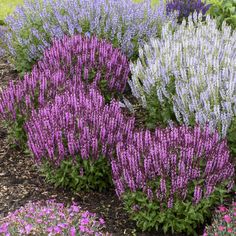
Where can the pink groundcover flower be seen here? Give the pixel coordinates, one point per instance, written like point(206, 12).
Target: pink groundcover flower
point(227, 218)
point(54, 218)
point(224, 222)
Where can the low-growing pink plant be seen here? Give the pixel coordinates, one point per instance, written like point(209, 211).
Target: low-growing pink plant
point(224, 222)
point(51, 218)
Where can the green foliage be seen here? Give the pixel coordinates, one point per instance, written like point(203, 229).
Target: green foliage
point(231, 137)
point(159, 113)
point(16, 133)
point(223, 10)
point(183, 217)
point(79, 174)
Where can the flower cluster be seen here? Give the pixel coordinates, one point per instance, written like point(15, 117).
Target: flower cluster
point(77, 123)
point(51, 218)
point(125, 23)
point(201, 61)
point(173, 163)
point(78, 59)
point(224, 222)
point(186, 7)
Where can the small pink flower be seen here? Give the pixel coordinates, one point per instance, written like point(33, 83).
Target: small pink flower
point(84, 221)
point(230, 230)
point(82, 228)
point(227, 218)
point(28, 228)
point(72, 231)
point(222, 208)
point(221, 228)
point(101, 221)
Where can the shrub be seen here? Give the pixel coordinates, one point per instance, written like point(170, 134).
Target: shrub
point(79, 59)
point(224, 222)
point(172, 177)
point(125, 23)
point(78, 132)
point(223, 10)
point(51, 218)
point(192, 71)
point(186, 7)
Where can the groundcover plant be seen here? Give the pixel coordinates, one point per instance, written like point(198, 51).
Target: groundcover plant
point(51, 218)
point(126, 24)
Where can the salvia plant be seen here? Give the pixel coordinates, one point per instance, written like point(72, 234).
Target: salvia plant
point(224, 222)
point(186, 7)
point(126, 24)
point(170, 179)
point(191, 73)
point(51, 218)
point(78, 125)
point(79, 59)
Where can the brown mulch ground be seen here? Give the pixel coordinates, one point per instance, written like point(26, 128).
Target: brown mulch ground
point(20, 182)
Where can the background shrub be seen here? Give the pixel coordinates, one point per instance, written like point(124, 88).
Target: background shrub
point(51, 218)
point(171, 178)
point(192, 71)
point(223, 10)
point(77, 135)
point(186, 7)
point(79, 59)
point(126, 24)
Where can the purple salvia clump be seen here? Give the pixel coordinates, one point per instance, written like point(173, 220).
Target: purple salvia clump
point(186, 7)
point(79, 59)
point(78, 122)
point(174, 158)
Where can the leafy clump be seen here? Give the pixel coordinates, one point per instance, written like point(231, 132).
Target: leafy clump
point(189, 72)
point(171, 178)
point(51, 218)
point(223, 10)
point(79, 174)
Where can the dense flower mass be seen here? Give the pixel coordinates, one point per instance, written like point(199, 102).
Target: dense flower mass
point(194, 69)
point(224, 221)
point(172, 164)
point(186, 7)
point(51, 218)
point(125, 23)
point(78, 59)
point(77, 123)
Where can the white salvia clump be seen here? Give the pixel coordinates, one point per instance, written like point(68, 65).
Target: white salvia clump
point(202, 61)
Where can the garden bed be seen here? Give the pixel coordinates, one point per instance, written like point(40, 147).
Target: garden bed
point(139, 132)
